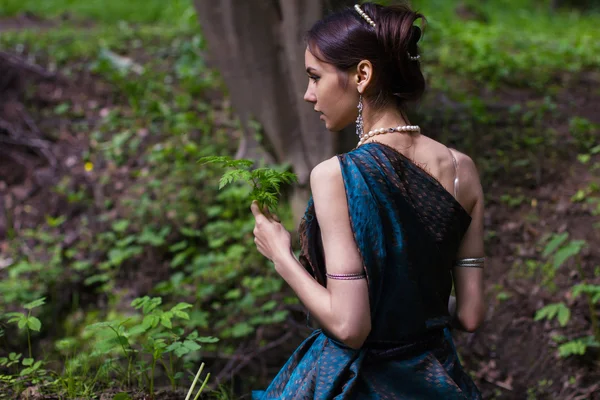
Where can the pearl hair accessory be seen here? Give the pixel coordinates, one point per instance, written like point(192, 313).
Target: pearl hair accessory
point(364, 15)
point(372, 23)
point(380, 131)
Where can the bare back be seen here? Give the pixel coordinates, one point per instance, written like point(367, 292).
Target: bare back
point(458, 174)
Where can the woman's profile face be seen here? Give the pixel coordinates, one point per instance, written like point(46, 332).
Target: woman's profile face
point(336, 103)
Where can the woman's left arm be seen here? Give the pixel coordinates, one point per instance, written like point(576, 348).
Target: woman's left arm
point(342, 309)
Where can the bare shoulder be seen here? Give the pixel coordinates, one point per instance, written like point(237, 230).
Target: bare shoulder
point(326, 173)
point(466, 164)
point(470, 184)
point(327, 187)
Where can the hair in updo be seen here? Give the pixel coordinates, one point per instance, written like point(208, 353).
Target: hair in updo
point(345, 38)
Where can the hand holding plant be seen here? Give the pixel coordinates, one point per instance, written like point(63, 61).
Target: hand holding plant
point(271, 238)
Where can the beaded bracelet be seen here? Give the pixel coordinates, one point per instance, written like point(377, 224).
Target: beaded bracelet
point(470, 262)
point(346, 277)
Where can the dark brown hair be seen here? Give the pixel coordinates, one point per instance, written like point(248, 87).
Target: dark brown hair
point(345, 38)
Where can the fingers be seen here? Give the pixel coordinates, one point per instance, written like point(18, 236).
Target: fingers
point(255, 209)
point(265, 213)
point(270, 215)
point(258, 216)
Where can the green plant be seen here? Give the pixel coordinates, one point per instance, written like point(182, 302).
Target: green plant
point(31, 369)
point(78, 378)
point(560, 250)
point(584, 132)
point(266, 182)
point(513, 201)
point(557, 310)
point(156, 336)
point(120, 340)
point(143, 202)
point(27, 322)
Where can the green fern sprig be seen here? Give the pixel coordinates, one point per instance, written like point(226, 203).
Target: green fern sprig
point(266, 182)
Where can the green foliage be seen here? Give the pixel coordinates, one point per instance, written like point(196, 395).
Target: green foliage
point(498, 48)
point(106, 11)
point(558, 310)
point(146, 204)
point(577, 347)
point(513, 201)
point(266, 182)
point(561, 251)
point(589, 289)
point(156, 337)
point(27, 322)
point(584, 132)
point(558, 249)
point(556, 252)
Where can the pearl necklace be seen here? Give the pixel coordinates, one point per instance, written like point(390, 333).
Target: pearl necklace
point(380, 131)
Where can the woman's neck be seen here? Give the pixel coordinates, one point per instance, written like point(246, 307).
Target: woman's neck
point(387, 117)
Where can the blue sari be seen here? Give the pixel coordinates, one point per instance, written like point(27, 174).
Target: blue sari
point(408, 228)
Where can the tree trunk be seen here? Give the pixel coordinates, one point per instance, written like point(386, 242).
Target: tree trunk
point(258, 46)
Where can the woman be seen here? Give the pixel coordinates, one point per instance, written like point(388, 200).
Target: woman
point(386, 232)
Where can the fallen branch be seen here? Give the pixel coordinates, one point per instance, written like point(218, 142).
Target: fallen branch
point(9, 128)
point(19, 62)
point(39, 145)
point(246, 359)
point(271, 345)
point(30, 123)
point(500, 384)
point(229, 364)
point(17, 158)
point(584, 394)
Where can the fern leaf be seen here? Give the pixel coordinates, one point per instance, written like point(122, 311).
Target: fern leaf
point(555, 243)
point(574, 347)
point(227, 161)
point(553, 310)
point(568, 251)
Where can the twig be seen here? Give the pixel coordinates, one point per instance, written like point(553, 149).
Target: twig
point(9, 128)
point(299, 327)
point(8, 82)
point(18, 62)
point(40, 145)
point(275, 343)
point(229, 364)
point(30, 122)
point(29, 142)
point(499, 384)
point(585, 393)
point(245, 360)
point(17, 158)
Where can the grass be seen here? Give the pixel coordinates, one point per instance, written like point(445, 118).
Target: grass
point(519, 43)
point(105, 11)
point(526, 48)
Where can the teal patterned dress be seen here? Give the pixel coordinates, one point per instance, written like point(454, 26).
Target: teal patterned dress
point(408, 228)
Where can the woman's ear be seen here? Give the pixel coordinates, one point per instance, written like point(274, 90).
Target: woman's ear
point(364, 75)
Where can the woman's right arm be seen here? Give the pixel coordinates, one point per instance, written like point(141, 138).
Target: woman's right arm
point(469, 306)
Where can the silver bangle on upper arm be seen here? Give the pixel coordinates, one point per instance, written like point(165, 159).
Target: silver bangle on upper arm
point(470, 262)
point(346, 277)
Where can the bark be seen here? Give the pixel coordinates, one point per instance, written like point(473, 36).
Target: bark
point(258, 46)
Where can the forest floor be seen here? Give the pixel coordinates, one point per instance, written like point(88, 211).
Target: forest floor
point(511, 356)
